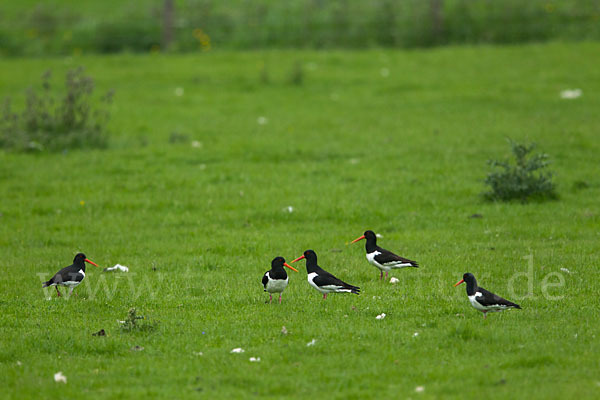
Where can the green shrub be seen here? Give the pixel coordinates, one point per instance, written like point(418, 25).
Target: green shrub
point(525, 179)
point(56, 122)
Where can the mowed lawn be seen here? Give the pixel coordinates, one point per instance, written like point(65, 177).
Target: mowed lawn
point(212, 171)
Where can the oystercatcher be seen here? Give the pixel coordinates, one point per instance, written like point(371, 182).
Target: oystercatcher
point(276, 280)
point(322, 280)
point(483, 300)
point(70, 276)
point(383, 259)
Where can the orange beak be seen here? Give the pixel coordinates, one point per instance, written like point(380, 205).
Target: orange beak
point(459, 282)
point(290, 267)
point(358, 238)
point(91, 262)
point(299, 258)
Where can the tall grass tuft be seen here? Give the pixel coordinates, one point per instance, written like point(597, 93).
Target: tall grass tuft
point(56, 121)
point(524, 179)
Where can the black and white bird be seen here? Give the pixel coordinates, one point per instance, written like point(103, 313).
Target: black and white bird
point(322, 280)
point(381, 258)
point(70, 276)
point(483, 300)
point(275, 280)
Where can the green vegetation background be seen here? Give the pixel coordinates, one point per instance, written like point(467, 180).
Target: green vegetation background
point(193, 195)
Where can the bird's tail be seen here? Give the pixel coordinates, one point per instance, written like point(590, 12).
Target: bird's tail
point(353, 289)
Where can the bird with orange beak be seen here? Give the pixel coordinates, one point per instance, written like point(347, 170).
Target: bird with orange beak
point(381, 258)
point(275, 280)
point(483, 300)
point(70, 276)
point(322, 280)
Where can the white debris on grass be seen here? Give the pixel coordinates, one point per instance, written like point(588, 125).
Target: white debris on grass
point(198, 353)
point(565, 270)
point(237, 350)
point(59, 377)
point(311, 343)
point(571, 94)
point(394, 280)
point(379, 235)
point(254, 359)
point(117, 267)
point(380, 316)
point(415, 334)
point(420, 389)
point(284, 330)
point(289, 209)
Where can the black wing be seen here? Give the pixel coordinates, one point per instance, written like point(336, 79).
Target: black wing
point(387, 256)
point(324, 278)
point(265, 279)
point(488, 299)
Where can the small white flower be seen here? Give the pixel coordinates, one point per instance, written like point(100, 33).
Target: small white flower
point(420, 389)
point(379, 235)
point(380, 316)
point(179, 91)
point(394, 280)
point(254, 359)
point(198, 353)
point(289, 209)
point(284, 331)
point(262, 120)
point(311, 343)
point(19, 363)
point(196, 144)
point(571, 94)
point(237, 350)
point(384, 72)
point(565, 270)
point(59, 377)
point(415, 334)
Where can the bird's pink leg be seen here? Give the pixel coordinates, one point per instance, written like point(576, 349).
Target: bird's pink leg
point(279, 298)
point(57, 292)
point(386, 275)
point(381, 275)
point(270, 298)
point(324, 296)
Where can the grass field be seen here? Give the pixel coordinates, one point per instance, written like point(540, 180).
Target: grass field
point(391, 141)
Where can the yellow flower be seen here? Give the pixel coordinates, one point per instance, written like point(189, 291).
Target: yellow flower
point(203, 38)
point(82, 203)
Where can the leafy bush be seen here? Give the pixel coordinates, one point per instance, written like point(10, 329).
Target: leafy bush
point(56, 122)
point(525, 179)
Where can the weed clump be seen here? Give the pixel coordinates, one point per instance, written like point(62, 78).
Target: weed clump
point(54, 121)
point(131, 324)
point(525, 179)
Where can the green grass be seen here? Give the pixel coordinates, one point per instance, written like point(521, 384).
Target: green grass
point(349, 150)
